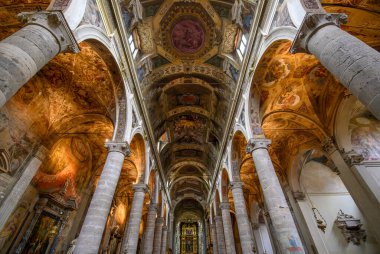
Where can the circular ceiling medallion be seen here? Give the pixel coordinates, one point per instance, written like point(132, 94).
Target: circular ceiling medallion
point(188, 36)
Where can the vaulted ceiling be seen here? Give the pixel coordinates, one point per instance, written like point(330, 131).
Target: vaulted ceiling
point(188, 73)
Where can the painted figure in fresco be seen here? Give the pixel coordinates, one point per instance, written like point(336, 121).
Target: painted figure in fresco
point(136, 9)
point(187, 36)
point(236, 12)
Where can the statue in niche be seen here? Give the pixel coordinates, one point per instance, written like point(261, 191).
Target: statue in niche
point(237, 12)
point(136, 9)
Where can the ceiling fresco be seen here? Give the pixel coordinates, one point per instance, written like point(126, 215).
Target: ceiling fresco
point(184, 46)
point(298, 102)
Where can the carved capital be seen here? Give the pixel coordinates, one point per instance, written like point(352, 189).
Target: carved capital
point(255, 225)
point(41, 153)
point(311, 23)
point(160, 220)
point(55, 23)
point(352, 158)
point(298, 195)
point(121, 147)
point(225, 205)
point(328, 145)
point(140, 187)
point(236, 184)
point(257, 143)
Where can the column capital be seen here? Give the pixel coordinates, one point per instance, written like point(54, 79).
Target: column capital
point(328, 145)
point(160, 220)
point(140, 187)
point(311, 23)
point(121, 147)
point(152, 207)
point(164, 228)
point(236, 185)
point(54, 21)
point(257, 143)
point(41, 152)
point(225, 205)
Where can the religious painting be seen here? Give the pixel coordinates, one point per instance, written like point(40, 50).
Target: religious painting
point(365, 135)
point(189, 129)
point(43, 234)
point(189, 238)
point(188, 99)
point(188, 36)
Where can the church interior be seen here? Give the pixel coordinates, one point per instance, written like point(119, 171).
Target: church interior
point(190, 126)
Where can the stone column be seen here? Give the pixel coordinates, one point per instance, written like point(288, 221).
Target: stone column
point(158, 235)
point(132, 232)
point(149, 229)
point(24, 53)
point(170, 230)
point(355, 64)
point(214, 240)
point(220, 234)
point(19, 188)
point(244, 226)
point(164, 239)
point(283, 224)
point(228, 230)
point(91, 232)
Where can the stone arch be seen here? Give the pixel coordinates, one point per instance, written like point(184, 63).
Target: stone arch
point(138, 155)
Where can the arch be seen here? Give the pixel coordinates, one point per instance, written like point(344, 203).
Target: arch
point(138, 155)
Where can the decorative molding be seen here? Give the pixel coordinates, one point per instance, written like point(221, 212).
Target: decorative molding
point(311, 24)
point(121, 147)
point(56, 24)
point(328, 145)
point(257, 143)
point(140, 187)
point(352, 158)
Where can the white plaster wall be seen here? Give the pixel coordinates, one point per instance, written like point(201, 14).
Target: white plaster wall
point(328, 194)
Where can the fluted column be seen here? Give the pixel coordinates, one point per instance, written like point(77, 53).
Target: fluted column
point(164, 239)
point(244, 226)
point(158, 235)
point(132, 232)
point(214, 240)
point(24, 53)
point(355, 64)
point(149, 229)
point(283, 224)
point(20, 187)
point(220, 234)
point(228, 230)
point(93, 226)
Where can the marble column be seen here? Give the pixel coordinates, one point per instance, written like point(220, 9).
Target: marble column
point(24, 53)
point(244, 226)
point(92, 229)
point(158, 235)
point(19, 188)
point(149, 229)
point(355, 64)
point(227, 226)
point(220, 234)
point(132, 232)
point(164, 239)
point(214, 240)
point(283, 224)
